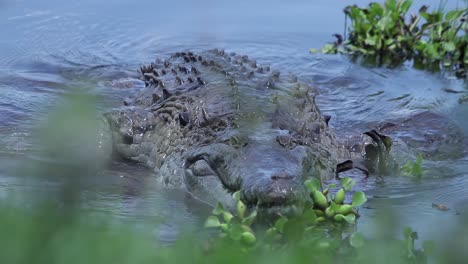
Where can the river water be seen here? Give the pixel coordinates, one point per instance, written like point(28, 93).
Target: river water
point(49, 46)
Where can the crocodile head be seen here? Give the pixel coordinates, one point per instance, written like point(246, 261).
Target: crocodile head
point(268, 173)
point(215, 124)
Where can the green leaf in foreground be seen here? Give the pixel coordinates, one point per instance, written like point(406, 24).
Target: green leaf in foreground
point(212, 221)
point(350, 218)
point(279, 224)
point(248, 239)
point(312, 185)
point(227, 217)
point(359, 198)
point(236, 196)
point(250, 219)
point(347, 183)
point(240, 209)
point(219, 209)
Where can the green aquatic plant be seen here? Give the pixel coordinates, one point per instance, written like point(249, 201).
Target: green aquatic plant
point(413, 168)
point(306, 238)
point(334, 208)
point(324, 208)
point(235, 227)
point(386, 33)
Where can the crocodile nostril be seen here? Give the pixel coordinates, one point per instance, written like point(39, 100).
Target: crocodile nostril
point(281, 175)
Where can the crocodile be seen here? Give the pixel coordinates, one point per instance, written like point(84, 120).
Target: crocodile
point(214, 123)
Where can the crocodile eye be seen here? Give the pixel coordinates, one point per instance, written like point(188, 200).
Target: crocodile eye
point(201, 168)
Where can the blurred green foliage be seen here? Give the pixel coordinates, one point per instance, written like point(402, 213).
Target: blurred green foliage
point(47, 235)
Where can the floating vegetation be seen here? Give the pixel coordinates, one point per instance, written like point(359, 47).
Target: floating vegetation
point(413, 168)
point(324, 209)
point(319, 234)
point(386, 34)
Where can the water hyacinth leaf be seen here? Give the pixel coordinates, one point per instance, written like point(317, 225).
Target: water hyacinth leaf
point(391, 5)
point(328, 49)
point(319, 199)
point(350, 218)
point(424, 14)
point(375, 9)
point(359, 198)
point(250, 219)
point(356, 240)
point(219, 209)
point(248, 239)
point(329, 212)
point(347, 183)
point(389, 42)
point(236, 196)
point(227, 217)
point(401, 38)
point(212, 221)
point(405, 6)
point(240, 208)
point(313, 50)
point(325, 192)
point(340, 209)
point(384, 23)
point(236, 231)
point(271, 232)
point(312, 185)
point(246, 228)
point(334, 206)
point(370, 41)
point(352, 47)
point(319, 212)
point(339, 196)
point(224, 227)
point(320, 219)
point(454, 14)
point(363, 51)
point(449, 46)
point(279, 224)
point(339, 218)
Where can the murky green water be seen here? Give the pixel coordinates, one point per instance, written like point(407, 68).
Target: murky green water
point(48, 47)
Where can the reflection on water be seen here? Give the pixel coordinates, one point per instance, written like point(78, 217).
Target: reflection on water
point(50, 47)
